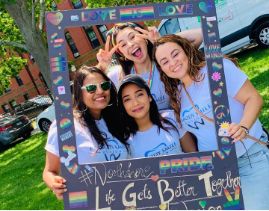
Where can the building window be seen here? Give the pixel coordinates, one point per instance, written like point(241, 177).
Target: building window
point(53, 6)
point(7, 90)
point(77, 4)
point(26, 96)
point(103, 30)
point(32, 58)
point(72, 44)
point(92, 36)
point(19, 81)
point(5, 107)
point(12, 103)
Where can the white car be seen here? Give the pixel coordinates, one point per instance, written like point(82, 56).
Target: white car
point(45, 118)
point(240, 23)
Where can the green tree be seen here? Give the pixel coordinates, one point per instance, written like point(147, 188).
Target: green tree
point(21, 28)
point(113, 3)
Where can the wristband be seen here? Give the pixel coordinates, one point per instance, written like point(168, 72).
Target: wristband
point(245, 129)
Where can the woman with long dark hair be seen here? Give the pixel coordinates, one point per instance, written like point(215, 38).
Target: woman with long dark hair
point(184, 72)
point(99, 133)
point(149, 133)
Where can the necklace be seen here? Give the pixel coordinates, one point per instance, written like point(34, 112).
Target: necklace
point(151, 74)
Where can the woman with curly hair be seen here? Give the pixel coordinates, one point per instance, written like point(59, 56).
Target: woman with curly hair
point(184, 73)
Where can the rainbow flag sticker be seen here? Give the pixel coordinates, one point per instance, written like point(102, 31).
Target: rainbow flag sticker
point(65, 123)
point(146, 12)
point(78, 199)
point(58, 64)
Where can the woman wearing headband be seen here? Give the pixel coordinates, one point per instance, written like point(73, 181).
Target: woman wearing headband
point(184, 73)
point(132, 46)
point(99, 134)
point(150, 133)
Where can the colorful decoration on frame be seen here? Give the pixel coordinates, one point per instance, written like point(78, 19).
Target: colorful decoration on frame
point(185, 181)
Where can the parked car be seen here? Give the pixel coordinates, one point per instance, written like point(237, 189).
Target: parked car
point(13, 127)
point(45, 118)
point(43, 100)
point(240, 23)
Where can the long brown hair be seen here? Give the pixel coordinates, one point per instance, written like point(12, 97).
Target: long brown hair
point(196, 62)
point(113, 32)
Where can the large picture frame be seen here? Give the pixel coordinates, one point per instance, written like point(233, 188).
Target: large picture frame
point(204, 180)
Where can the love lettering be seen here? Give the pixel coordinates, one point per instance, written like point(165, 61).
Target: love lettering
point(98, 15)
point(173, 10)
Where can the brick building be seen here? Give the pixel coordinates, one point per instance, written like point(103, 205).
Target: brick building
point(82, 44)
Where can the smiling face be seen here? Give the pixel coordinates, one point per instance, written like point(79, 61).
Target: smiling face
point(136, 102)
point(98, 100)
point(174, 63)
point(131, 46)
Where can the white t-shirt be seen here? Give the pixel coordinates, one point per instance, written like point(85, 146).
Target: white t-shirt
point(151, 143)
point(157, 88)
point(200, 94)
point(87, 148)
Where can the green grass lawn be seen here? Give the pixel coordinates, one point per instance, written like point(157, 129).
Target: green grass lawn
point(255, 63)
point(21, 181)
point(21, 166)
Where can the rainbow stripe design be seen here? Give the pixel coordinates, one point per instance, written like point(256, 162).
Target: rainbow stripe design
point(78, 199)
point(216, 66)
point(186, 164)
point(64, 104)
point(73, 168)
point(65, 123)
point(54, 36)
point(232, 203)
point(220, 154)
point(67, 148)
point(134, 13)
point(57, 64)
point(58, 80)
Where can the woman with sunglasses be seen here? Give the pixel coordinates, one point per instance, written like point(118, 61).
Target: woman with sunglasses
point(149, 132)
point(99, 134)
point(132, 47)
point(184, 73)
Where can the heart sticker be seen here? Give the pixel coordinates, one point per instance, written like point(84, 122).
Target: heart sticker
point(55, 18)
point(203, 7)
point(202, 204)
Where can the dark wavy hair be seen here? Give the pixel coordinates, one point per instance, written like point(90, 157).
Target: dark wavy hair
point(113, 32)
point(130, 125)
point(110, 113)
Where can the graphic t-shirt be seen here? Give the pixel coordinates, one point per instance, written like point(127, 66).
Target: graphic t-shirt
point(157, 88)
point(200, 94)
point(87, 148)
point(151, 143)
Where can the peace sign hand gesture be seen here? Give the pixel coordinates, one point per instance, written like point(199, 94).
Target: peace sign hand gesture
point(104, 56)
point(151, 34)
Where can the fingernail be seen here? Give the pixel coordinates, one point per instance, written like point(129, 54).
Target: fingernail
point(65, 190)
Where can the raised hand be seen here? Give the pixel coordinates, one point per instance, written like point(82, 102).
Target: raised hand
point(151, 34)
point(104, 56)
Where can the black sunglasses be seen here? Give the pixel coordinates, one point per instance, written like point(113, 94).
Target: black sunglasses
point(106, 85)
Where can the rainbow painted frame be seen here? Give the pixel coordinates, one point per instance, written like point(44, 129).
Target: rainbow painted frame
point(206, 180)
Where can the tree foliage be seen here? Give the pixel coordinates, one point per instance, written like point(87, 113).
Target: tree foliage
point(113, 3)
point(21, 30)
